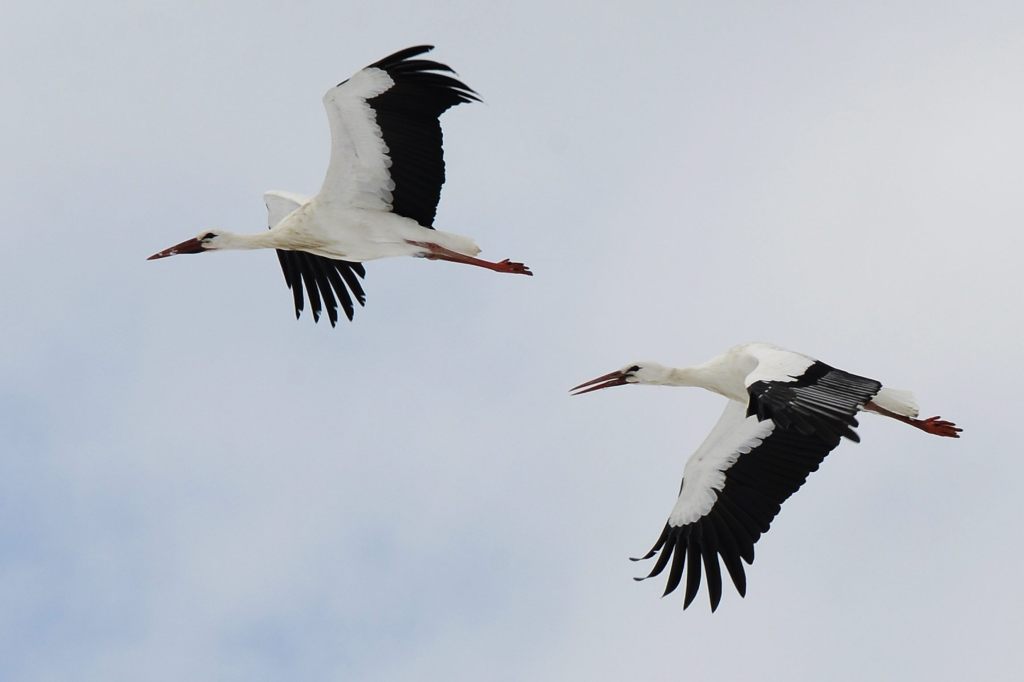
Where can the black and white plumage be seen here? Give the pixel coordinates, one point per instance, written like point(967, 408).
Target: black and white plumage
point(380, 193)
point(785, 412)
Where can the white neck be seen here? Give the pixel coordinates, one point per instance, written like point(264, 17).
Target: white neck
point(710, 376)
point(686, 376)
point(660, 375)
point(260, 240)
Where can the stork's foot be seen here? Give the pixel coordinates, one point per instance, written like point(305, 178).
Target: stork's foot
point(512, 267)
point(937, 426)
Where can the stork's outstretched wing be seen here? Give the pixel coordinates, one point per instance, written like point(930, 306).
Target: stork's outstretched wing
point(756, 456)
point(386, 135)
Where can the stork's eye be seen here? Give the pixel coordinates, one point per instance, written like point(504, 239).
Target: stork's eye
point(634, 368)
point(208, 236)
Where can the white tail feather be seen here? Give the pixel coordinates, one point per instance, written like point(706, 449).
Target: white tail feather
point(456, 242)
point(899, 402)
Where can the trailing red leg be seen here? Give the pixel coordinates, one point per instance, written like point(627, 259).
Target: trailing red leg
point(440, 253)
point(934, 425)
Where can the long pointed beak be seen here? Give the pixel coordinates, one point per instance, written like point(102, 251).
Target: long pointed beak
point(616, 378)
point(188, 246)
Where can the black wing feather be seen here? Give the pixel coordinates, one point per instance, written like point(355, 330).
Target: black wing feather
point(730, 554)
point(709, 551)
point(312, 284)
point(327, 292)
point(678, 561)
point(291, 275)
point(692, 570)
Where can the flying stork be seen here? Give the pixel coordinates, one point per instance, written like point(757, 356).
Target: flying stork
point(381, 190)
point(785, 412)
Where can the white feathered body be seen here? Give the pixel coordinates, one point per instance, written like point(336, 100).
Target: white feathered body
point(732, 372)
point(334, 230)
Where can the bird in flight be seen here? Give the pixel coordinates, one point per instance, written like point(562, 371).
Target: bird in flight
point(785, 412)
point(380, 194)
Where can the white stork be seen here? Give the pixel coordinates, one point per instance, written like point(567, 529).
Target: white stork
point(380, 194)
point(785, 412)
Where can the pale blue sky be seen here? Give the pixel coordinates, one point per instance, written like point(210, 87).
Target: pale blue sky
point(195, 486)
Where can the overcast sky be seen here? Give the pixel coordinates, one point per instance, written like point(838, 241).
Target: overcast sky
point(194, 486)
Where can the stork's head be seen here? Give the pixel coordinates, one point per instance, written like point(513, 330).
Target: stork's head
point(205, 241)
point(635, 373)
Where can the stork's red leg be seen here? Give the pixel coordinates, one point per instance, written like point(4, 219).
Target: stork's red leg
point(934, 425)
point(436, 252)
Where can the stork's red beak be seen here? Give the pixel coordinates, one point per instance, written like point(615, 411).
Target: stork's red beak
point(188, 246)
point(616, 378)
